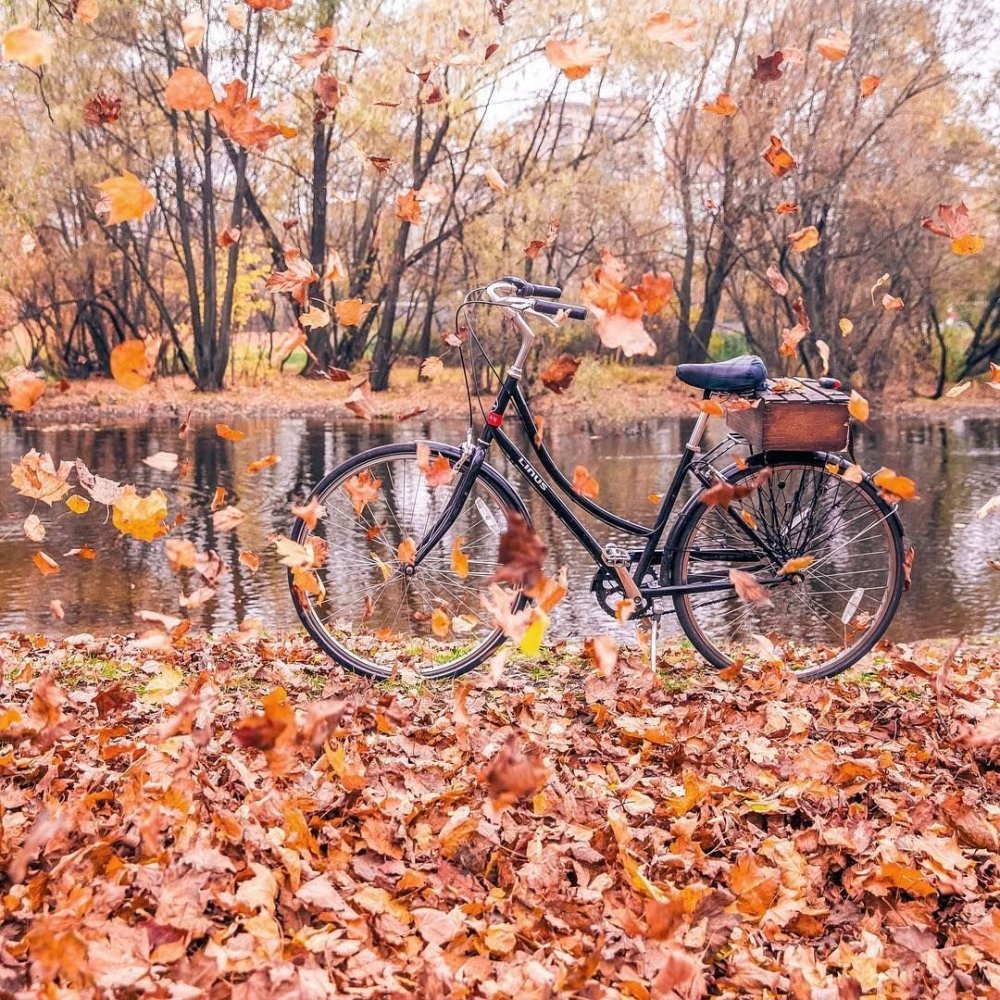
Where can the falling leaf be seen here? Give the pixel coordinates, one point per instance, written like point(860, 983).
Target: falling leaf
point(834, 46)
point(56, 607)
point(617, 307)
point(779, 159)
point(229, 237)
point(362, 489)
point(227, 518)
point(777, 281)
point(315, 318)
point(575, 57)
point(520, 554)
point(87, 11)
point(712, 407)
point(891, 303)
point(102, 109)
point(311, 513)
point(804, 239)
point(162, 461)
point(894, 486)
point(868, 85)
point(318, 50)
point(431, 367)
point(237, 117)
point(796, 565)
point(24, 45)
point(24, 389)
point(845, 325)
point(437, 471)
point(768, 67)
point(494, 180)
point(512, 775)
point(790, 340)
point(677, 31)
point(406, 551)
point(440, 623)
point(957, 390)
point(189, 90)
point(584, 483)
point(237, 17)
point(823, 350)
point(408, 208)
point(882, 282)
point(535, 247)
point(37, 477)
point(559, 374)
point(77, 504)
point(459, 560)
point(263, 463)
point(228, 433)
point(359, 402)
point(296, 279)
point(193, 26)
point(858, 406)
point(749, 589)
point(33, 528)
point(127, 198)
point(786, 208)
point(722, 493)
point(351, 312)
point(969, 245)
point(139, 516)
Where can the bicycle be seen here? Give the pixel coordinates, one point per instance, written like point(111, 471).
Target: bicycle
point(411, 536)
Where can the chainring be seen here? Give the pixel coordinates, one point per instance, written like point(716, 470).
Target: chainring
point(608, 590)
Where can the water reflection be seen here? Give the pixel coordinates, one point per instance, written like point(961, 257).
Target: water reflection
point(955, 463)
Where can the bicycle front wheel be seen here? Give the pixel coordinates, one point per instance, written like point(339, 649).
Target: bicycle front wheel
point(828, 555)
point(364, 601)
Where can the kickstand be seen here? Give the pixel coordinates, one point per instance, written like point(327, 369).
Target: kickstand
point(654, 628)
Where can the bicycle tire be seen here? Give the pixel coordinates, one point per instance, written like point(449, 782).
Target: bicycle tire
point(491, 483)
point(813, 596)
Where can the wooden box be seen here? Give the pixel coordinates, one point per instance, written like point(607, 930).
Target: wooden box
point(805, 417)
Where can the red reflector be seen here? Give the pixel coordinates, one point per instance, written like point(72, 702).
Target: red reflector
point(494, 419)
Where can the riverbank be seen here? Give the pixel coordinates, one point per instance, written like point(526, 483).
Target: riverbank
point(602, 394)
point(235, 811)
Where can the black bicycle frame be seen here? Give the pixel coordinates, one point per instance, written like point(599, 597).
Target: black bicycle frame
point(510, 392)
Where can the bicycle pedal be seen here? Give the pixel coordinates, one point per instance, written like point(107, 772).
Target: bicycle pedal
point(616, 555)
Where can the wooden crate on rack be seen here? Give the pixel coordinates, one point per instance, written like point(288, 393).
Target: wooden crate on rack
point(805, 417)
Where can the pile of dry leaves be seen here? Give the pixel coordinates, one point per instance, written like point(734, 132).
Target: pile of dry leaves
point(235, 819)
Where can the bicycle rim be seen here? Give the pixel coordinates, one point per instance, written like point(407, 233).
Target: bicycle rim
point(357, 601)
point(818, 620)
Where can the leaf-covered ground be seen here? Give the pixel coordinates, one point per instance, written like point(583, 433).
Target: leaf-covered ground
point(236, 818)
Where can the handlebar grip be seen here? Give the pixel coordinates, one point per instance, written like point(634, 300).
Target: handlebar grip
point(528, 290)
point(544, 291)
point(554, 308)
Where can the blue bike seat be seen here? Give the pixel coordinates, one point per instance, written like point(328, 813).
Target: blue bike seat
point(743, 374)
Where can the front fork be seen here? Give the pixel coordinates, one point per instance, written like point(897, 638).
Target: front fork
point(470, 465)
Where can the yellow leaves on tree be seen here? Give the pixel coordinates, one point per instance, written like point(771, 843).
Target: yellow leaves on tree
point(126, 199)
point(575, 57)
point(139, 516)
point(189, 90)
point(132, 363)
point(619, 308)
point(24, 45)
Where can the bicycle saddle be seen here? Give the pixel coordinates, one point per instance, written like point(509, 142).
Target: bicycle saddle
point(743, 374)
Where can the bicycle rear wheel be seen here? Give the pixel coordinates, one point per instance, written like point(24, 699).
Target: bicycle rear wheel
point(363, 601)
point(818, 619)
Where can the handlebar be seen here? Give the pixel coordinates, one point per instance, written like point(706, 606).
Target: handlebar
point(554, 308)
point(528, 290)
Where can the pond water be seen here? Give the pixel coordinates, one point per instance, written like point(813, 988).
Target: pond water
point(956, 464)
